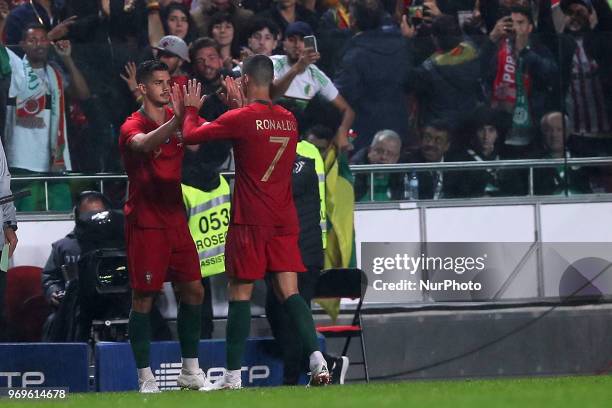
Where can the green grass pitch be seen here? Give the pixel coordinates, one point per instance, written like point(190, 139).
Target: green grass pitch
point(557, 392)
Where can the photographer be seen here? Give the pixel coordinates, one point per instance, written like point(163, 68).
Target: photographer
point(63, 260)
point(66, 280)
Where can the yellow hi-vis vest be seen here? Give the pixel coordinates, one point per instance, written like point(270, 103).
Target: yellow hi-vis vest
point(307, 149)
point(209, 217)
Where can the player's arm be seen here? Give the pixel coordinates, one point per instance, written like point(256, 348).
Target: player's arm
point(194, 130)
point(148, 142)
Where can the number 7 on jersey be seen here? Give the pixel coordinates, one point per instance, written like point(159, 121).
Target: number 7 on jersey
point(283, 142)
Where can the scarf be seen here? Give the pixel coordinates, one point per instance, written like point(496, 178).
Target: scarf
point(5, 65)
point(511, 91)
point(505, 86)
point(31, 99)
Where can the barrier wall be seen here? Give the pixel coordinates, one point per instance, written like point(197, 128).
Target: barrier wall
point(116, 368)
point(67, 364)
point(44, 365)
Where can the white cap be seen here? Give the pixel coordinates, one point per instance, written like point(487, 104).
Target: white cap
point(174, 45)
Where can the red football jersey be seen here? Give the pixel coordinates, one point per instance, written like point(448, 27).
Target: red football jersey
point(155, 199)
point(264, 137)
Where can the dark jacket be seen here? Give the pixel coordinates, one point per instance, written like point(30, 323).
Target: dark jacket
point(539, 64)
point(331, 41)
point(66, 251)
point(597, 47)
point(447, 85)
point(301, 14)
point(561, 180)
point(201, 168)
point(483, 182)
point(370, 78)
point(305, 184)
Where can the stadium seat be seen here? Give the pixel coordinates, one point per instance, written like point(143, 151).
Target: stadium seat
point(25, 307)
point(348, 283)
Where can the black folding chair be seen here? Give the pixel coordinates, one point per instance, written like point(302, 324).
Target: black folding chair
point(345, 283)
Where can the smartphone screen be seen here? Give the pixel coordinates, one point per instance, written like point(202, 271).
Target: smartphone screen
point(415, 15)
point(310, 41)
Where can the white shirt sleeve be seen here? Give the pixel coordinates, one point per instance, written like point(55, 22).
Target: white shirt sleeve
point(325, 86)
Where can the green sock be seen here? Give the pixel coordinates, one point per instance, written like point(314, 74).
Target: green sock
point(188, 323)
point(139, 329)
point(301, 316)
point(238, 327)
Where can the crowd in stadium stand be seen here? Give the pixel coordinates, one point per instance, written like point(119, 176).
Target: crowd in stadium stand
point(417, 81)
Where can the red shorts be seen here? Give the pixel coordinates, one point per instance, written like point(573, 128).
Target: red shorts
point(156, 255)
point(253, 250)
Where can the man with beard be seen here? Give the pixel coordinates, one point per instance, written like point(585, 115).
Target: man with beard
point(298, 80)
point(35, 130)
point(586, 73)
point(202, 185)
point(173, 52)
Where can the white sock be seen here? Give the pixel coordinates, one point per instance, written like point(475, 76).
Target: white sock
point(191, 365)
point(233, 375)
point(145, 374)
point(316, 359)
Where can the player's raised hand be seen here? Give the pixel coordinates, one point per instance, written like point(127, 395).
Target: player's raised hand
point(191, 94)
point(233, 96)
point(178, 104)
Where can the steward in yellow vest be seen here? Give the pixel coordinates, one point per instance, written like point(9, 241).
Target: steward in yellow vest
point(208, 215)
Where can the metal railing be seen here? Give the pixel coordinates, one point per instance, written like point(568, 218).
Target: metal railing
point(530, 164)
point(370, 169)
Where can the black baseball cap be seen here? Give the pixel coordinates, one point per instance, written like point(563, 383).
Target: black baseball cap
point(566, 3)
point(298, 28)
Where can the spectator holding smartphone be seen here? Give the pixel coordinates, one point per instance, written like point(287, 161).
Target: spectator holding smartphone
point(298, 79)
point(518, 74)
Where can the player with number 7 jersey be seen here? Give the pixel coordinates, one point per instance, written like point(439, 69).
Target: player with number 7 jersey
point(263, 232)
point(264, 138)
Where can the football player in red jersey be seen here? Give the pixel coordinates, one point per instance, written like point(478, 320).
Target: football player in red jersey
point(159, 245)
point(263, 232)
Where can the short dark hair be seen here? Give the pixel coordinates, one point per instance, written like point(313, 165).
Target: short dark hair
point(447, 32)
point(146, 69)
point(321, 132)
point(367, 14)
point(32, 26)
point(220, 17)
point(202, 42)
point(524, 11)
point(259, 23)
point(440, 124)
point(259, 68)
